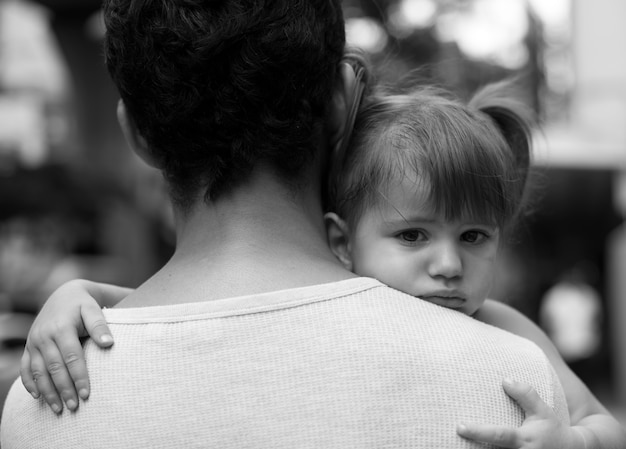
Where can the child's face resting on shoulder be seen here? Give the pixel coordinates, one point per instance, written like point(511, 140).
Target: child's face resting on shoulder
point(425, 191)
point(404, 244)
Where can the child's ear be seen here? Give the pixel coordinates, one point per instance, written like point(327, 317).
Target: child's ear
point(338, 238)
point(135, 140)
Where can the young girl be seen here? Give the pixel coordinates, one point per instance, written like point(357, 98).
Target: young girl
point(421, 198)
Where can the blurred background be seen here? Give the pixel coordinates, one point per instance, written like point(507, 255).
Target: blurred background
point(74, 202)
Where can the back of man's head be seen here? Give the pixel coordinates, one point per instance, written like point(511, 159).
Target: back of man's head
point(215, 87)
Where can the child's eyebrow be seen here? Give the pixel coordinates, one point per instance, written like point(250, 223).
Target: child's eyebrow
point(411, 220)
point(424, 220)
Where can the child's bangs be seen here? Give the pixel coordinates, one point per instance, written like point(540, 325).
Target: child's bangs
point(464, 166)
point(470, 180)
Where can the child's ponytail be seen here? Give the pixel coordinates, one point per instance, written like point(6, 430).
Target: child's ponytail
point(515, 121)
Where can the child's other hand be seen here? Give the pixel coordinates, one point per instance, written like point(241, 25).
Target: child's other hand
point(53, 364)
point(541, 428)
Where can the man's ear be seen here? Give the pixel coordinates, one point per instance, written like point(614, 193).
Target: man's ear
point(338, 236)
point(135, 140)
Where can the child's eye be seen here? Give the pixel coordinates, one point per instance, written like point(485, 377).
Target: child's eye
point(411, 236)
point(474, 237)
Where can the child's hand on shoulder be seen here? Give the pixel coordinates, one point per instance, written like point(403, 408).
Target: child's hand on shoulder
point(541, 428)
point(53, 363)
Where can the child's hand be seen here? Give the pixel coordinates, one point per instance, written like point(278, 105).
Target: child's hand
point(53, 363)
point(541, 428)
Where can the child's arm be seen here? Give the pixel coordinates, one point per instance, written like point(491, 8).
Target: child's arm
point(592, 425)
point(53, 363)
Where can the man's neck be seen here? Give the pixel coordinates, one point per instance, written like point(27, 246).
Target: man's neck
point(261, 237)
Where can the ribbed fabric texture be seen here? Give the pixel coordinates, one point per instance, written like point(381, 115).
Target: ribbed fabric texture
point(352, 364)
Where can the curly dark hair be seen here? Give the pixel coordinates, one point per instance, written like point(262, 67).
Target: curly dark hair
point(216, 87)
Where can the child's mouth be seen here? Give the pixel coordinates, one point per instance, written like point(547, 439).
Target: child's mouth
point(451, 302)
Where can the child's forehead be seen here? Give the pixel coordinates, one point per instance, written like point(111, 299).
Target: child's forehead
point(406, 191)
point(411, 194)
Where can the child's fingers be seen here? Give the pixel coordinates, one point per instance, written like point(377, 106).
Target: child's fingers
point(44, 383)
point(72, 355)
point(497, 435)
point(27, 376)
point(58, 374)
point(527, 398)
point(96, 325)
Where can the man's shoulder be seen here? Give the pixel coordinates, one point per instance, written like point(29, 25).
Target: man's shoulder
point(413, 310)
point(24, 420)
point(385, 317)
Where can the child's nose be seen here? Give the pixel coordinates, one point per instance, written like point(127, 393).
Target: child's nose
point(446, 261)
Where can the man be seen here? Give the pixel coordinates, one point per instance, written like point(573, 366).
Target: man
point(253, 334)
